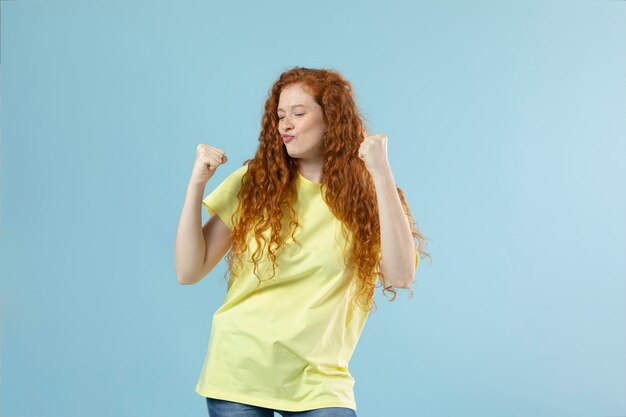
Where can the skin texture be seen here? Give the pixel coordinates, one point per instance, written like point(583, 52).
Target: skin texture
point(306, 123)
point(398, 252)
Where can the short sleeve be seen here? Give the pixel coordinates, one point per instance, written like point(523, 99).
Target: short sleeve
point(223, 199)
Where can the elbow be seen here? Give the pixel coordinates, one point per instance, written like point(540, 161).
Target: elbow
point(407, 274)
point(411, 278)
point(406, 284)
point(191, 281)
point(185, 275)
point(183, 280)
point(402, 283)
point(186, 279)
point(401, 280)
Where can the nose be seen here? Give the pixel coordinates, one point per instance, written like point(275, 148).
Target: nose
point(286, 124)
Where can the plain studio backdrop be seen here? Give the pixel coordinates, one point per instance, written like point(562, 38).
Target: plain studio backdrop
point(506, 128)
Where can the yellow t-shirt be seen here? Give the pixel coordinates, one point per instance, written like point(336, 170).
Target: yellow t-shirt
point(287, 345)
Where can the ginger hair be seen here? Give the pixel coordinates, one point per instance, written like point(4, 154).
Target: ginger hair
point(268, 186)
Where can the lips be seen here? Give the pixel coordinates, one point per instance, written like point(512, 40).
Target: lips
point(287, 138)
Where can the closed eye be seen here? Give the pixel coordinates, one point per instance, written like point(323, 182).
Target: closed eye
point(301, 114)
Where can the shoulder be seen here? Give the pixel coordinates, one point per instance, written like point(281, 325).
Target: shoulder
point(232, 182)
point(238, 173)
point(241, 170)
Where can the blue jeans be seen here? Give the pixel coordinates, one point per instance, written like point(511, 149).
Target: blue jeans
point(223, 408)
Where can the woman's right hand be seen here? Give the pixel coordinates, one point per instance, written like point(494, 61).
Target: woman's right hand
point(208, 158)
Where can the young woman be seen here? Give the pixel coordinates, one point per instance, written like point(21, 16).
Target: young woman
point(308, 225)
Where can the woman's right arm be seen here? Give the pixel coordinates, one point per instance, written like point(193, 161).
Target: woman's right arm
point(199, 248)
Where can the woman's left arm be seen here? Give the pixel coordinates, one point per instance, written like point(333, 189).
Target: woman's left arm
point(398, 252)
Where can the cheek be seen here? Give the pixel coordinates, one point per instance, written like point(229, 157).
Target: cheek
point(318, 126)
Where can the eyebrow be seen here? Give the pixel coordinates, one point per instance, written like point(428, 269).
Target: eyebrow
point(295, 105)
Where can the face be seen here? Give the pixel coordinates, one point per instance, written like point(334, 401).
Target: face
point(301, 117)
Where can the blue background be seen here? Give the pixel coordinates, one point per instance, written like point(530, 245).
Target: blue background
point(506, 127)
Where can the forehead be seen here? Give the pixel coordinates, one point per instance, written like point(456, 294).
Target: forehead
point(294, 95)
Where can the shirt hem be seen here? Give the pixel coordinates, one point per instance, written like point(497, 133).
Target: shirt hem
point(272, 404)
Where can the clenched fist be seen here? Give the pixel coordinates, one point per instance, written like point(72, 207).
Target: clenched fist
point(373, 151)
point(208, 158)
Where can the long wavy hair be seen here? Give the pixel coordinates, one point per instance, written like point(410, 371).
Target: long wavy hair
point(268, 186)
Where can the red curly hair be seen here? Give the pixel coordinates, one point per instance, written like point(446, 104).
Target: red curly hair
point(269, 184)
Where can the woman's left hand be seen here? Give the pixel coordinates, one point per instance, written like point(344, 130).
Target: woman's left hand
point(373, 151)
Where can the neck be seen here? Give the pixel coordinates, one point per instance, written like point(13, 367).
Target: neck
point(311, 170)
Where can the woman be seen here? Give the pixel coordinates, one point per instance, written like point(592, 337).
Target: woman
point(310, 223)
